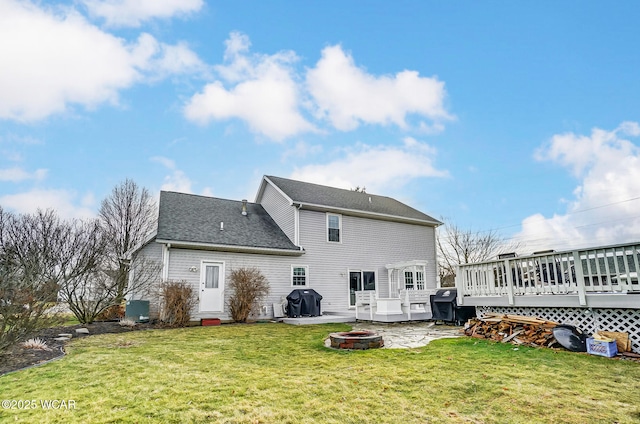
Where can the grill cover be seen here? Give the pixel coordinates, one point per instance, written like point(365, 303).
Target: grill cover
point(443, 304)
point(301, 302)
point(444, 307)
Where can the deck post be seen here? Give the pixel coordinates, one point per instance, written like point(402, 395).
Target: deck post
point(577, 266)
point(459, 286)
point(510, 282)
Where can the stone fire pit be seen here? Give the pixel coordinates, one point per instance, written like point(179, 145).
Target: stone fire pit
point(356, 340)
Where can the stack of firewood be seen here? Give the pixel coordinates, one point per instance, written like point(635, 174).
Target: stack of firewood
point(516, 329)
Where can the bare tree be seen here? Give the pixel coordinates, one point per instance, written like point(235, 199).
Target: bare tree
point(90, 293)
point(32, 265)
point(456, 246)
point(128, 215)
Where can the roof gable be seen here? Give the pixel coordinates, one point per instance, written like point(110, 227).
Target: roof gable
point(331, 198)
point(196, 219)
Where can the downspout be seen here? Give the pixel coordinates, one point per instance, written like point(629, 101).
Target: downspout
point(165, 261)
point(296, 224)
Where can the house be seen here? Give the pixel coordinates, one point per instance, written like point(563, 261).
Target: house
point(363, 253)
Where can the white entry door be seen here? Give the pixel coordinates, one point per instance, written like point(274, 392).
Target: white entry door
point(212, 287)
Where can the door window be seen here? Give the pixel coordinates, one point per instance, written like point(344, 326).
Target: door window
point(212, 276)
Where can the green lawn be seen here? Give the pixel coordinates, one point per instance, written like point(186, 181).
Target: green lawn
point(277, 373)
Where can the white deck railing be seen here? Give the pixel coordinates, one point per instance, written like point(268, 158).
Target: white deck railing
point(611, 269)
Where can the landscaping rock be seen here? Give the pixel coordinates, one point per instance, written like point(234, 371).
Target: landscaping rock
point(82, 330)
point(62, 339)
point(67, 335)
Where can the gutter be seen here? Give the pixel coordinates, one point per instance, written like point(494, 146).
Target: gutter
point(230, 248)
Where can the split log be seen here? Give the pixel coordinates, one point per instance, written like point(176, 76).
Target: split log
point(516, 329)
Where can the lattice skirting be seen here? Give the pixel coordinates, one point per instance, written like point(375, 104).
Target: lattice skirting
point(588, 320)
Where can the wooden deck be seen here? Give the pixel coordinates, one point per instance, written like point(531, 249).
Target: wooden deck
point(602, 277)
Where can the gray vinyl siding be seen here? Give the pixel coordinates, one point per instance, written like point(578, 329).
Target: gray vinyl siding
point(278, 207)
point(366, 245)
point(151, 252)
point(277, 270)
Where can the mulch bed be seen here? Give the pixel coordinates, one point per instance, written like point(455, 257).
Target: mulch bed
point(17, 357)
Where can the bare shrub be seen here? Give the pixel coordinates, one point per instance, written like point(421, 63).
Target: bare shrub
point(249, 287)
point(112, 313)
point(177, 299)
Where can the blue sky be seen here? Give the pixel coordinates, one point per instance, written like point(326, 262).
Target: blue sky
point(519, 118)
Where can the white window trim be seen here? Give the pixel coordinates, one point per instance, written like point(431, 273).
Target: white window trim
point(306, 275)
point(339, 227)
point(361, 270)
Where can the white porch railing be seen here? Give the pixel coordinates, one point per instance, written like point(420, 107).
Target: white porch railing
point(410, 304)
point(609, 270)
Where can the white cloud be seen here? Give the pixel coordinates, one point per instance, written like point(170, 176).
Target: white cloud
point(262, 92)
point(132, 13)
point(378, 168)
point(17, 174)
point(301, 150)
point(166, 162)
point(348, 96)
point(269, 94)
point(604, 207)
point(177, 180)
point(16, 139)
point(62, 201)
point(56, 59)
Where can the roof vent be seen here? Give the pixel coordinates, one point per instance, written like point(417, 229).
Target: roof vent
point(244, 207)
point(221, 226)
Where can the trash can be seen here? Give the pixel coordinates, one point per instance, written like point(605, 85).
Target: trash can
point(303, 302)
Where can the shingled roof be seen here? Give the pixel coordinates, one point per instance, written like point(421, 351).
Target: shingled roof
point(192, 219)
point(317, 196)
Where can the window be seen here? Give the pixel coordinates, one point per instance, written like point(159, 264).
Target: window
point(408, 280)
point(299, 275)
point(419, 280)
point(212, 273)
point(333, 228)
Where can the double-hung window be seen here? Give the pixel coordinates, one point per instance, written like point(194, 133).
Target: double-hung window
point(299, 276)
point(334, 227)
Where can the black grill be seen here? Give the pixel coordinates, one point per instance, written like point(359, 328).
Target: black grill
point(303, 302)
point(444, 307)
